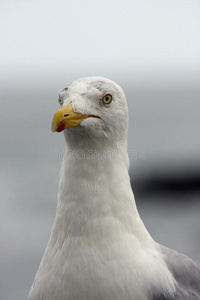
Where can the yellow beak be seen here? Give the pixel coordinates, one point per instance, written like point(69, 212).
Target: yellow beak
point(65, 118)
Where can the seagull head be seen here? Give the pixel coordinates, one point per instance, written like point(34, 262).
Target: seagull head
point(92, 107)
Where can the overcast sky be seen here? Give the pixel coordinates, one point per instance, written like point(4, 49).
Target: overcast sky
point(159, 32)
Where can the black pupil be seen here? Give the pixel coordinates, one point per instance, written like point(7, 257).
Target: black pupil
point(107, 98)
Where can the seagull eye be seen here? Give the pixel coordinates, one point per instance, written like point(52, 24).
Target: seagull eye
point(60, 101)
point(107, 99)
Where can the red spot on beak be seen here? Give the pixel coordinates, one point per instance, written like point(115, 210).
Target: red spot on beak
point(61, 127)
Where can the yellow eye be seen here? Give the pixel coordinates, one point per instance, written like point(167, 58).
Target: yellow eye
point(107, 99)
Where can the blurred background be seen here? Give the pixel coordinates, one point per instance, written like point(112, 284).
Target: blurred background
point(152, 50)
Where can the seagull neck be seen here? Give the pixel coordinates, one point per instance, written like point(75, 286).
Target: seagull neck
point(95, 189)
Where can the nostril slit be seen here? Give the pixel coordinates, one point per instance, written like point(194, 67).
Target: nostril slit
point(66, 115)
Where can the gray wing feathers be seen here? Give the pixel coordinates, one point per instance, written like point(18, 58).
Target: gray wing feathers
point(186, 273)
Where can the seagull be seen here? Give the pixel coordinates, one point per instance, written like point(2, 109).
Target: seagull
point(99, 248)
